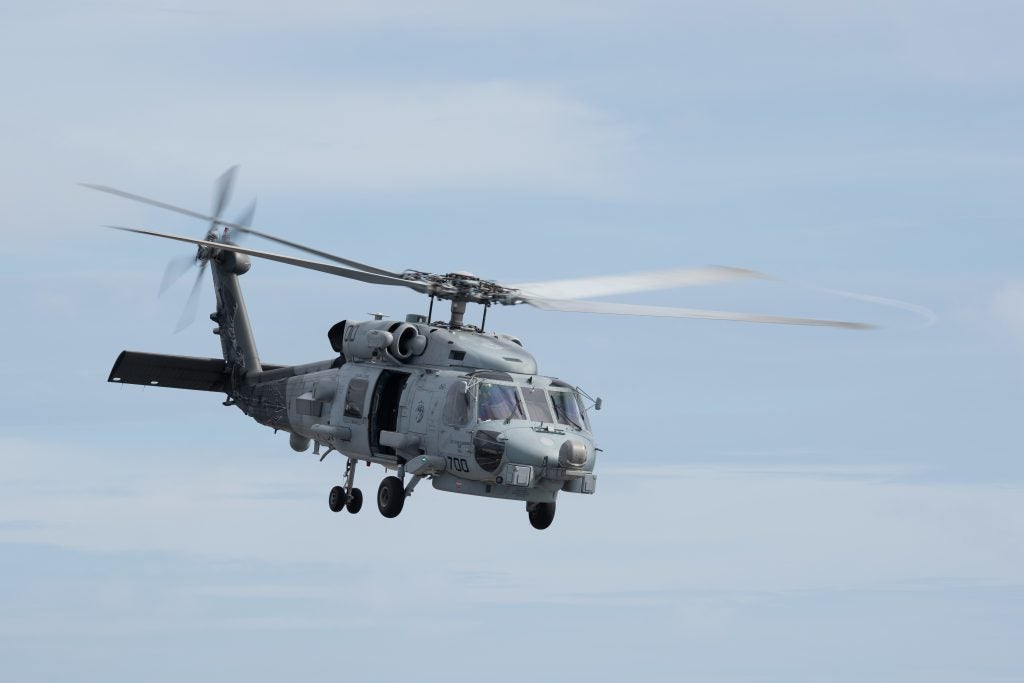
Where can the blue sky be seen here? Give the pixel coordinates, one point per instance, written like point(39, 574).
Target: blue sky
point(774, 504)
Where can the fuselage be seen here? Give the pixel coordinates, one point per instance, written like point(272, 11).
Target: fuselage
point(464, 408)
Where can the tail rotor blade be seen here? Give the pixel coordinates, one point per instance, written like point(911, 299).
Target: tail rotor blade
point(224, 186)
point(188, 315)
point(176, 267)
point(248, 214)
point(234, 234)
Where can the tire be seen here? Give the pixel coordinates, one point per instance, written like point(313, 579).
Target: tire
point(355, 501)
point(541, 514)
point(390, 497)
point(336, 501)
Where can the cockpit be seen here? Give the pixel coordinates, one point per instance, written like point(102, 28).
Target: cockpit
point(498, 402)
point(498, 396)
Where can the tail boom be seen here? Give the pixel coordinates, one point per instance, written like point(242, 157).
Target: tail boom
point(236, 338)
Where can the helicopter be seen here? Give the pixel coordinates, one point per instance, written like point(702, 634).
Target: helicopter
point(442, 400)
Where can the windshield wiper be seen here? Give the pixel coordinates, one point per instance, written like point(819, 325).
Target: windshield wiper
point(559, 412)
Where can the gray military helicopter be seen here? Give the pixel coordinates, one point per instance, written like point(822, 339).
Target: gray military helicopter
point(443, 400)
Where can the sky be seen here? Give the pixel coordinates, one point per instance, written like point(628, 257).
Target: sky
point(774, 503)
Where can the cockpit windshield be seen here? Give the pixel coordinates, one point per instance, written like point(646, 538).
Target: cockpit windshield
point(567, 408)
point(498, 402)
point(537, 404)
point(500, 396)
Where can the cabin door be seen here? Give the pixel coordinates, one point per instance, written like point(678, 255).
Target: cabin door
point(387, 398)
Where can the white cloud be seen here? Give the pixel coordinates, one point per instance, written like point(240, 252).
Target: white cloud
point(393, 139)
point(396, 139)
point(682, 529)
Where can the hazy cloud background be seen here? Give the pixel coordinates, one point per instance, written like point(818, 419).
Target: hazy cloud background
point(773, 504)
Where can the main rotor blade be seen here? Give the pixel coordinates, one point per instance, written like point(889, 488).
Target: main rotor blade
point(234, 235)
point(579, 288)
point(372, 278)
point(928, 314)
point(176, 267)
point(242, 227)
point(151, 202)
point(667, 312)
point(316, 252)
point(188, 314)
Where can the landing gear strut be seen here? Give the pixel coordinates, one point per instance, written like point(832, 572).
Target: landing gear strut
point(541, 514)
point(345, 496)
point(355, 501)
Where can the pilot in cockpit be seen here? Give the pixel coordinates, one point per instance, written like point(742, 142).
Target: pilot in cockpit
point(496, 402)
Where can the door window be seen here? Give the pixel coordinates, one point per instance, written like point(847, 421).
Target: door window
point(355, 398)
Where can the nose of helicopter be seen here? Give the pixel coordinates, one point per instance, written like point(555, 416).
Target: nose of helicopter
point(527, 446)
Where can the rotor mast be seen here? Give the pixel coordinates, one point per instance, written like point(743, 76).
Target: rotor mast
point(462, 288)
point(458, 313)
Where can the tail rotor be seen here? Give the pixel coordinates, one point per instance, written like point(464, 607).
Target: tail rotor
point(225, 184)
point(179, 266)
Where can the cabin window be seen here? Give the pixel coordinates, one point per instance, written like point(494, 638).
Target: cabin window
point(537, 404)
point(498, 402)
point(307, 406)
point(355, 398)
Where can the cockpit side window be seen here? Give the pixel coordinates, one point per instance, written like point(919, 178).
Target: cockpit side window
point(456, 404)
point(498, 402)
point(537, 404)
point(567, 409)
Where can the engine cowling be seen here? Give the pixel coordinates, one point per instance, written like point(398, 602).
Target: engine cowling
point(408, 342)
point(373, 338)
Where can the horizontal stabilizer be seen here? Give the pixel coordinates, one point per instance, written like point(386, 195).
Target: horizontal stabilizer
point(177, 372)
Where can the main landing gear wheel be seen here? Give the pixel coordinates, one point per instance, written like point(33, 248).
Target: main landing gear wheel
point(338, 498)
point(541, 514)
point(391, 496)
point(355, 501)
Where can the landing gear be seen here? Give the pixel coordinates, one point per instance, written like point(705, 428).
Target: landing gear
point(391, 496)
point(345, 496)
point(355, 501)
point(541, 514)
point(337, 499)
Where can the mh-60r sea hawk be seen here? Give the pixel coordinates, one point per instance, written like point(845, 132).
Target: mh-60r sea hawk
point(442, 400)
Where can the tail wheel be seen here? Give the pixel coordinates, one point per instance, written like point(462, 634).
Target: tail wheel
point(541, 514)
point(391, 496)
point(337, 499)
point(355, 501)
